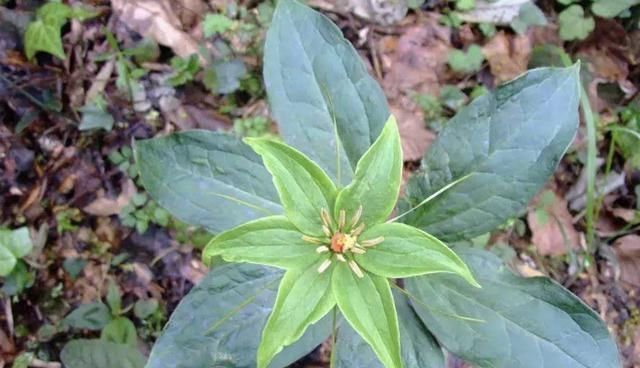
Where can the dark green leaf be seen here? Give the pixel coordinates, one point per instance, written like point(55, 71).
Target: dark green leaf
point(197, 174)
point(304, 297)
point(376, 183)
point(511, 322)
point(609, 8)
point(316, 83)
point(120, 331)
point(95, 117)
point(219, 323)
point(509, 142)
point(367, 304)
point(144, 308)
point(419, 348)
point(272, 241)
point(407, 251)
point(92, 316)
point(100, 354)
point(304, 188)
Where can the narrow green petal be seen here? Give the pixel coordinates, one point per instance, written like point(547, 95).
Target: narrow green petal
point(367, 304)
point(304, 188)
point(376, 183)
point(272, 241)
point(407, 251)
point(304, 297)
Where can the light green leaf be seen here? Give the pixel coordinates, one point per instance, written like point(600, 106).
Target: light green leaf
point(93, 316)
point(304, 188)
point(95, 116)
point(55, 14)
point(220, 322)
point(100, 354)
point(574, 25)
point(367, 304)
point(407, 251)
point(120, 331)
point(272, 241)
point(195, 174)
point(610, 9)
point(512, 322)
point(216, 23)
point(41, 36)
point(508, 142)
point(304, 297)
point(317, 85)
point(376, 183)
point(14, 244)
point(419, 348)
point(528, 15)
point(469, 61)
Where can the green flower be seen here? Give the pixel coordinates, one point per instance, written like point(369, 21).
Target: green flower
point(335, 246)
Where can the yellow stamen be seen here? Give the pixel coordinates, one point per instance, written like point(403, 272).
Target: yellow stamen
point(356, 269)
point(358, 230)
point(372, 242)
point(340, 258)
point(342, 219)
point(323, 267)
point(358, 250)
point(326, 230)
point(322, 249)
point(312, 240)
point(356, 216)
point(326, 219)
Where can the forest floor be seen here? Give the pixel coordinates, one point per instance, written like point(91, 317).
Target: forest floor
point(67, 124)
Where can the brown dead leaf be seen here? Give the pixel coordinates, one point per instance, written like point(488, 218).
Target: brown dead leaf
point(104, 206)
point(419, 60)
point(627, 249)
point(156, 19)
point(551, 226)
point(508, 55)
point(413, 132)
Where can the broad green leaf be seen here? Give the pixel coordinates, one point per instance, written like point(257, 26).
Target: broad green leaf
point(508, 142)
point(367, 304)
point(574, 25)
point(216, 23)
point(7, 261)
point(304, 297)
point(272, 241)
point(512, 322)
point(376, 183)
point(407, 251)
point(14, 244)
point(469, 61)
point(41, 36)
point(304, 188)
point(220, 322)
point(100, 354)
point(207, 179)
point(609, 8)
point(419, 348)
point(93, 316)
point(54, 13)
point(325, 102)
point(528, 15)
point(120, 331)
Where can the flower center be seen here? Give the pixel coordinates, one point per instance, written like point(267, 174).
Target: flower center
point(340, 242)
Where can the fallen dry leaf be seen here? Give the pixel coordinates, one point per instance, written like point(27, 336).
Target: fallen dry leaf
point(104, 206)
point(416, 138)
point(551, 226)
point(156, 19)
point(419, 60)
point(508, 55)
point(627, 249)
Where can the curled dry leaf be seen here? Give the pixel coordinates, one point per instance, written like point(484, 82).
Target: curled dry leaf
point(156, 19)
point(104, 206)
point(418, 61)
point(627, 250)
point(508, 56)
point(416, 138)
point(551, 226)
